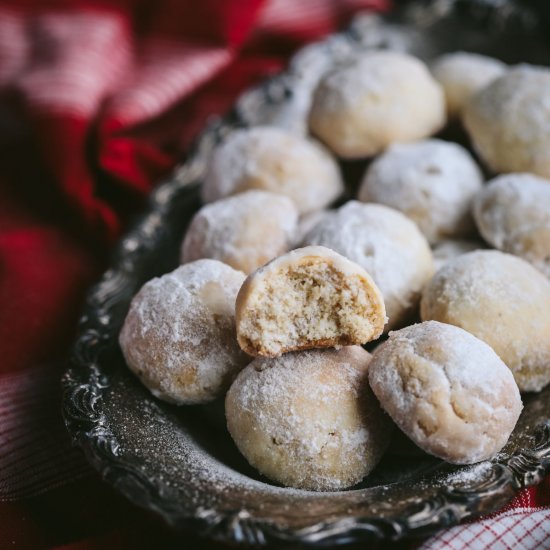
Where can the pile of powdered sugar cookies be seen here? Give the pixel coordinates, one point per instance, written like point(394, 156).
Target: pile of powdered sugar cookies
point(283, 281)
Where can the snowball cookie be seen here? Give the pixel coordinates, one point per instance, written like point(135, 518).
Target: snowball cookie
point(509, 121)
point(274, 160)
point(376, 99)
point(179, 334)
point(309, 419)
point(433, 182)
point(244, 231)
point(502, 300)
point(462, 74)
point(449, 249)
point(309, 298)
point(513, 214)
point(385, 243)
point(447, 390)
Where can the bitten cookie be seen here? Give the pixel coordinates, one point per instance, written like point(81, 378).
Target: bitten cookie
point(447, 390)
point(509, 121)
point(502, 300)
point(385, 243)
point(271, 159)
point(179, 334)
point(375, 100)
point(311, 297)
point(244, 231)
point(513, 214)
point(462, 74)
point(309, 419)
point(433, 182)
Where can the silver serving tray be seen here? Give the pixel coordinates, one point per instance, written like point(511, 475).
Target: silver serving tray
point(181, 462)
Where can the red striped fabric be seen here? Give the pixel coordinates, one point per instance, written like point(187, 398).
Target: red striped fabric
point(516, 529)
point(35, 453)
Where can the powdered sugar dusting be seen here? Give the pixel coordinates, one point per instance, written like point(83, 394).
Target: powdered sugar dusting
point(447, 390)
point(274, 160)
point(431, 181)
point(513, 214)
point(471, 474)
point(504, 301)
point(179, 334)
point(307, 419)
point(509, 121)
point(373, 100)
point(367, 75)
point(244, 231)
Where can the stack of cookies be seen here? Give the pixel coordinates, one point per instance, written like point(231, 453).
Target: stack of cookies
point(279, 290)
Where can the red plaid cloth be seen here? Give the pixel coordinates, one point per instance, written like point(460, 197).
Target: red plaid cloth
point(97, 100)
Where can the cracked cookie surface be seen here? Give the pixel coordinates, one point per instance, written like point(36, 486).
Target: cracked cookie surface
point(446, 390)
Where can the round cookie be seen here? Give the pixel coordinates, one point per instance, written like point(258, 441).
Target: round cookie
point(375, 100)
point(179, 334)
point(388, 245)
point(502, 300)
point(513, 214)
point(432, 181)
point(309, 298)
point(462, 74)
point(244, 231)
point(509, 121)
point(308, 419)
point(274, 160)
point(447, 390)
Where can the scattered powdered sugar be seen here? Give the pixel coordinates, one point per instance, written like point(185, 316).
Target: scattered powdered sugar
point(387, 244)
point(269, 158)
point(244, 231)
point(468, 475)
point(179, 334)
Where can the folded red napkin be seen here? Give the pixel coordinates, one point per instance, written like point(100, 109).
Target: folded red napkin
point(98, 100)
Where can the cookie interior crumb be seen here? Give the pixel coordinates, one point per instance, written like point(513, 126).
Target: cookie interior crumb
point(308, 305)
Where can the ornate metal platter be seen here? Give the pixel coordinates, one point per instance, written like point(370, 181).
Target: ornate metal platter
point(181, 462)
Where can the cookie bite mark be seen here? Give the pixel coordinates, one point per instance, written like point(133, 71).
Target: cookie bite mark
point(311, 297)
